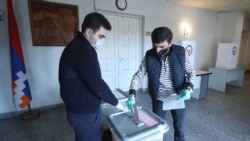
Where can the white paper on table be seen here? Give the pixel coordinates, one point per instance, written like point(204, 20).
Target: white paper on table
point(171, 102)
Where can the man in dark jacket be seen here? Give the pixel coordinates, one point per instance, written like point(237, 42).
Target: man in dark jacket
point(169, 71)
point(81, 85)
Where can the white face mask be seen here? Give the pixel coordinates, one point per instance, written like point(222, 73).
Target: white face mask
point(97, 44)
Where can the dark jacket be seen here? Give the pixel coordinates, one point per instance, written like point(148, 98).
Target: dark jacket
point(177, 67)
point(81, 85)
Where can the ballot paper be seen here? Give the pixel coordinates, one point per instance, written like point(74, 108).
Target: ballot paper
point(142, 117)
point(170, 102)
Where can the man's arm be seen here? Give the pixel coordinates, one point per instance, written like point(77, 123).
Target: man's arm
point(137, 77)
point(190, 73)
point(190, 77)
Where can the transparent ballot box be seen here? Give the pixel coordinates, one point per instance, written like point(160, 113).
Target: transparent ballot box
point(108, 109)
point(120, 95)
point(141, 126)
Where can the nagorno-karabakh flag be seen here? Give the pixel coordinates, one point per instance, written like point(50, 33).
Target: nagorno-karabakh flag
point(20, 85)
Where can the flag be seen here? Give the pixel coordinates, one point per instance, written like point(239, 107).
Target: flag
point(20, 85)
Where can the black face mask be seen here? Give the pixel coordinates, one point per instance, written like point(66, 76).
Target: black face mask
point(163, 52)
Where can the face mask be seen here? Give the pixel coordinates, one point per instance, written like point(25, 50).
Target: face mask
point(92, 40)
point(97, 44)
point(163, 52)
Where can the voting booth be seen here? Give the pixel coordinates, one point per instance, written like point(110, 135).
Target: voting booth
point(227, 55)
point(190, 49)
point(226, 71)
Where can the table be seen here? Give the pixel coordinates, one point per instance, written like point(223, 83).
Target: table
point(201, 84)
point(221, 77)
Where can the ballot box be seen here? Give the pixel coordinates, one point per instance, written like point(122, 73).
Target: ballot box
point(122, 98)
point(146, 126)
point(108, 109)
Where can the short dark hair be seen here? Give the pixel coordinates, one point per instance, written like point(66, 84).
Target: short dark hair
point(94, 21)
point(161, 34)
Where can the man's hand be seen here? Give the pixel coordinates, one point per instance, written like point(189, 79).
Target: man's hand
point(130, 102)
point(184, 95)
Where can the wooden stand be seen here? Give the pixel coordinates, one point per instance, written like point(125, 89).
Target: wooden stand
point(30, 114)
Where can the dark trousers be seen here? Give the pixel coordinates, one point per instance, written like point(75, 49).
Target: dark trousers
point(87, 127)
point(178, 116)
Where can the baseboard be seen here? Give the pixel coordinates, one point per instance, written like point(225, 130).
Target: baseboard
point(44, 108)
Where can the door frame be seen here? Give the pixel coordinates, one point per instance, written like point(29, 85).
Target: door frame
point(141, 36)
point(141, 23)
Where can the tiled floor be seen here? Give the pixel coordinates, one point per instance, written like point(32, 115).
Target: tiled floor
point(219, 117)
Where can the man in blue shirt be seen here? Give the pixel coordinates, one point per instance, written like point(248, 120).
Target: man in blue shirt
point(81, 85)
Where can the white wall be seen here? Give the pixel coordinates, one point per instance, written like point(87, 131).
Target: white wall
point(244, 58)
point(42, 62)
point(163, 13)
point(229, 29)
point(246, 62)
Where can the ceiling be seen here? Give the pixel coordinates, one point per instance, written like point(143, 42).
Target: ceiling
point(219, 5)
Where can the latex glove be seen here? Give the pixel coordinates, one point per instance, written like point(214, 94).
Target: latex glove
point(184, 95)
point(130, 103)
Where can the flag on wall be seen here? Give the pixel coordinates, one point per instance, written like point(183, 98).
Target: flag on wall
point(20, 85)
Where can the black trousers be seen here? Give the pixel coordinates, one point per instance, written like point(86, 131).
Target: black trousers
point(87, 127)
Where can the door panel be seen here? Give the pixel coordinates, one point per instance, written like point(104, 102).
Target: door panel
point(129, 47)
point(107, 55)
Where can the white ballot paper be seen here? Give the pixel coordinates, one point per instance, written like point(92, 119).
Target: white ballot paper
point(171, 102)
